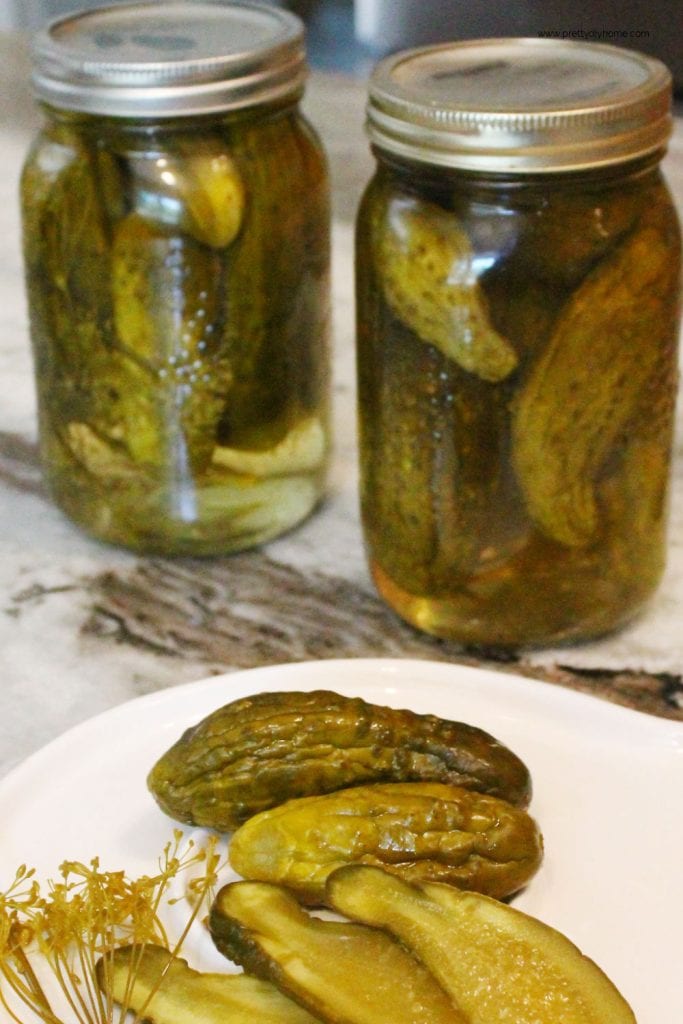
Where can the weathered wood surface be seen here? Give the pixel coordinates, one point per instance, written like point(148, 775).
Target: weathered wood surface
point(251, 610)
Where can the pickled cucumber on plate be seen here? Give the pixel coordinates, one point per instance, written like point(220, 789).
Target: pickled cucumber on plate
point(259, 751)
point(163, 989)
point(426, 264)
point(421, 831)
point(498, 964)
point(343, 973)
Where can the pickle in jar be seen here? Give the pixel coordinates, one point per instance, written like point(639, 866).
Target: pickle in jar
point(577, 402)
point(429, 278)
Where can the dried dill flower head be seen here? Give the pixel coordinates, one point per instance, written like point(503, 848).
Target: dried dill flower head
point(61, 931)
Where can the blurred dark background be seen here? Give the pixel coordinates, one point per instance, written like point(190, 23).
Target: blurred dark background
point(350, 35)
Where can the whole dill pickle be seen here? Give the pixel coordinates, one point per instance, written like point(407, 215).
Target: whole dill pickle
point(434, 469)
point(421, 831)
point(425, 260)
point(574, 409)
point(343, 973)
point(259, 751)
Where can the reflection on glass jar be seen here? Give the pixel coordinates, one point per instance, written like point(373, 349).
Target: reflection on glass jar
point(517, 339)
point(178, 277)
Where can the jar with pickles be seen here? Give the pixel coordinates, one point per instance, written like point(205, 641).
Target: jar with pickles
point(518, 290)
point(176, 239)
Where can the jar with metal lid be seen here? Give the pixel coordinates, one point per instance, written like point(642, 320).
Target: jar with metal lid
point(176, 241)
point(518, 282)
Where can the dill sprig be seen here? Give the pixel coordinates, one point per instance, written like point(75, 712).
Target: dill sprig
point(72, 928)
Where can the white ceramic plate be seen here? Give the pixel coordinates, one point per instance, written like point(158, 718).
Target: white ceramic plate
point(608, 795)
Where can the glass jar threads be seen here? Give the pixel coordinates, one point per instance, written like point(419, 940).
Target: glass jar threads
point(176, 240)
point(518, 282)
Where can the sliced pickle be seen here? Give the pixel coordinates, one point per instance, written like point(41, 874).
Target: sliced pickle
point(498, 964)
point(302, 450)
point(163, 989)
point(343, 973)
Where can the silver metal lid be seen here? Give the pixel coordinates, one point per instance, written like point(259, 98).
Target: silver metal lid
point(522, 105)
point(170, 59)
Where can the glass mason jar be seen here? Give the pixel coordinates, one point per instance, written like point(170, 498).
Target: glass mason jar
point(518, 275)
point(176, 239)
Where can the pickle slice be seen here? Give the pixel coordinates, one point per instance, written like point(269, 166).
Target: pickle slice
point(498, 964)
point(344, 973)
point(163, 989)
point(302, 450)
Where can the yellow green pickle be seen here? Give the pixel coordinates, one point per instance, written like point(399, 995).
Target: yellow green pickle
point(496, 963)
point(156, 986)
point(340, 972)
point(197, 188)
point(526, 507)
point(178, 289)
point(420, 831)
point(564, 427)
point(173, 414)
point(431, 284)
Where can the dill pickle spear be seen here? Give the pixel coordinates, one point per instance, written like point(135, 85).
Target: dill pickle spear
point(429, 279)
point(497, 963)
point(565, 426)
point(276, 325)
point(343, 973)
point(166, 290)
point(163, 989)
point(421, 831)
point(67, 262)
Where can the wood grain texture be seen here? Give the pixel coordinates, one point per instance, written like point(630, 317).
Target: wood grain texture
point(20, 465)
point(251, 610)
